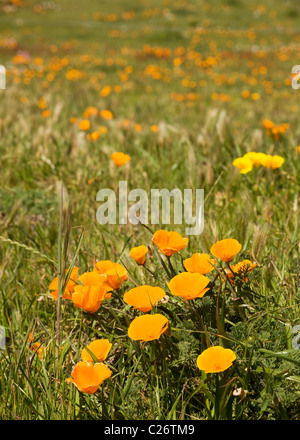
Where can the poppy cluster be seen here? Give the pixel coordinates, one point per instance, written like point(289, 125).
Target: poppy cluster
point(273, 130)
point(88, 374)
point(88, 290)
point(253, 159)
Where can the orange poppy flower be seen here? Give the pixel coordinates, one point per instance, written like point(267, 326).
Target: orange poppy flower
point(169, 242)
point(92, 278)
point(199, 263)
point(100, 348)
point(94, 136)
point(242, 268)
point(115, 273)
point(215, 359)
point(120, 159)
point(189, 285)
point(90, 111)
point(87, 377)
point(69, 289)
point(144, 297)
point(89, 298)
point(139, 254)
point(148, 327)
point(226, 249)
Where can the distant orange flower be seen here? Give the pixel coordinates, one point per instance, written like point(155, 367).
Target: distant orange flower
point(84, 124)
point(74, 74)
point(115, 273)
point(89, 298)
point(94, 136)
point(275, 130)
point(148, 327)
point(87, 377)
point(143, 297)
point(102, 129)
point(30, 338)
point(90, 111)
point(106, 114)
point(120, 159)
point(42, 103)
point(226, 249)
point(169, 242)
point(267, 124)
point(72, 282)
point(245, 93)
point(215, 359)
point(106, 90)
point(199, 263)
point(189, 285)
point(139, 254)
point(46, 113)
point(100, 348)
point(37, 348)
point(154, 128)
point(298, 149)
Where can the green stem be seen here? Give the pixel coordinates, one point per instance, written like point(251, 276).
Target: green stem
point(217, 398)
point(171, 267)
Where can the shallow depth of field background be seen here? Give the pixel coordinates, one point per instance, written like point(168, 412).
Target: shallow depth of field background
point(186, 86)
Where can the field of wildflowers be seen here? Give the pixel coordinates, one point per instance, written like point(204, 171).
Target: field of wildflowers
point(140, 321)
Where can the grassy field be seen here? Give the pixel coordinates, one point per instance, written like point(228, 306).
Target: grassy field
point(183, 87)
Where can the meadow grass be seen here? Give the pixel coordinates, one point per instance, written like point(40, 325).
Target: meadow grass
point(204, 75)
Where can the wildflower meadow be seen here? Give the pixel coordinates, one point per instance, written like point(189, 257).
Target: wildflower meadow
point(149, 211)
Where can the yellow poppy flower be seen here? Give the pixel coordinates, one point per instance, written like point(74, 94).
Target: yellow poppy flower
point(243, 164)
